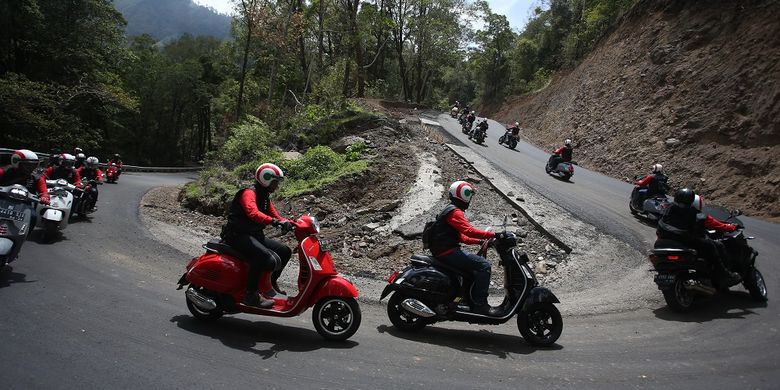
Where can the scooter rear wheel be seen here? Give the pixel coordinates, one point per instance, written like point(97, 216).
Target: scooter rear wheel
point(201, 314)
point(541, 324)
point(678, 298)
point(754, 283)
point(401, 318)
point(336, 318)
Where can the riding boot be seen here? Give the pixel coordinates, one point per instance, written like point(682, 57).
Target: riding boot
point(252, 298)
point(727, 277)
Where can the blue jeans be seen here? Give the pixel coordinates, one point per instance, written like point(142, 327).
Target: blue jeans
point(477, 265)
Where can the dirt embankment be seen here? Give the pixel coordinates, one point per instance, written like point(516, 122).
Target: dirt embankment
point(372, 221)
point(692, 85)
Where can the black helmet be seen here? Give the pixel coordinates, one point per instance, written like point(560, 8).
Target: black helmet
point(684, 196)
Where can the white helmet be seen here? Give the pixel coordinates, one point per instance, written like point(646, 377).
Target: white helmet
point(268, 173)
point(462, 191)
point(81, 156)
point(658, 168)
point(698, 202)
point(567, 142)
point(473, 112)
point(517, 124)
point(92, 161)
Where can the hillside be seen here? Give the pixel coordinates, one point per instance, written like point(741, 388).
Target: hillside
point(692, 85)
point(166, 19)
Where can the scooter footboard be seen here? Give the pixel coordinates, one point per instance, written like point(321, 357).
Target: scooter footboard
point(335, 287)
point(539, 295)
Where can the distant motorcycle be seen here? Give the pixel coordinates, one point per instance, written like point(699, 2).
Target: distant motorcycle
point(17, 206)
point(454, 112)
point(509, 139)
point(682, 275)
point(84, 200)
point(56, 215)
point(563, 170)
point(112, 173)
point(652, 208)
point(479, 135)
point(429, 291)
point(466, 128)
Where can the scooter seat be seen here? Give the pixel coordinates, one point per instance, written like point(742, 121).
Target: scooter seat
point(438, 264)
point(220, 247)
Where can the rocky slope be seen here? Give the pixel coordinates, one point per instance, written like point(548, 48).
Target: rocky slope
point(692, 85)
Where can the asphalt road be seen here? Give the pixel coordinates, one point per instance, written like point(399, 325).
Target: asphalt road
point(99, 309)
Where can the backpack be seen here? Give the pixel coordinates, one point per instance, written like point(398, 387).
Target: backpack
point(428, 229)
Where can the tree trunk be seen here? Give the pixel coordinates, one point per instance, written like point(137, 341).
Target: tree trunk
point(248, 41)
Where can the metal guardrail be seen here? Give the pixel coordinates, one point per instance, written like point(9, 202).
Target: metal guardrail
point(125, 167)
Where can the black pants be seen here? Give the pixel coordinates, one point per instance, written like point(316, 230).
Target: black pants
point(712, 251)
point(262, 254)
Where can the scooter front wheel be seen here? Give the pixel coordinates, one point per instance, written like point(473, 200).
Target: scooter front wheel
point(336, 318)
point(541, 324)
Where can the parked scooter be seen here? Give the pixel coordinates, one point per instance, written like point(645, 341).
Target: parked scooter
point(429, 291)
point(652, 208)
point(682, 275)
point(217, 282)
point(564, 169)
point(112, 173)
point(55, 216)
point(509, 140)
point(17, 206)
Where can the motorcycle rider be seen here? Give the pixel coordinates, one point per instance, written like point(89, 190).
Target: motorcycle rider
point(683, 222)
point(23, 164)
point(250, 212)
point(65, 170)
point(481, 126)
point(514, 130)
point(80, 158)
point(655, 184)
point(118, 161)
point(563, 154)
point(90, 171)
point(450, 230)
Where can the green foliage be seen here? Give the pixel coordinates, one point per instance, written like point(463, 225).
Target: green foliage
point(250, 140)
point(318, 167)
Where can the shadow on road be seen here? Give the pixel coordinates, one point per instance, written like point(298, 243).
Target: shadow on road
point(733, 305)
point(245, 335)
point(471, 341)
point(9, 277)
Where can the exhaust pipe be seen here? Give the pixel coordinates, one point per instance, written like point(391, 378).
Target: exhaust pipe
point(199, 300)
point(695, 285)
point(416, 307)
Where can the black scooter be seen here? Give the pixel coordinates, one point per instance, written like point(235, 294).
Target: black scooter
point(650, 208)
point(428, 291)
point(682, 275)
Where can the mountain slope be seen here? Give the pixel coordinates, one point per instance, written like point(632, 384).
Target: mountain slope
point(692, 85)
point(165, 19)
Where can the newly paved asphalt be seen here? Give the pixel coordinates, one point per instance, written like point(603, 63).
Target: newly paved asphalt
point(99, 309)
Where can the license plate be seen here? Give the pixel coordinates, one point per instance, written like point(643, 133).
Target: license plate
point(12, 215)
point(664, 279)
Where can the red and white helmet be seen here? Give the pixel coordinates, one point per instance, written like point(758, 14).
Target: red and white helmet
point(462, 191)
point(268, 173)
point(23, 156)
point(92, 161)
point(67, 160)
point(698, 202)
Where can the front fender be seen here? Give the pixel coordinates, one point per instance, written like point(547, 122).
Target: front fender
point(335, 287)
point(539, 295)
point(52, 215)
point(388, 289)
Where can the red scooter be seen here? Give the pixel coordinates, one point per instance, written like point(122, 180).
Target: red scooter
point(112, 173)
point(217, 283)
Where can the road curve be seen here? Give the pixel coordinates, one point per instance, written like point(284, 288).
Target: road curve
point(98, 309)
